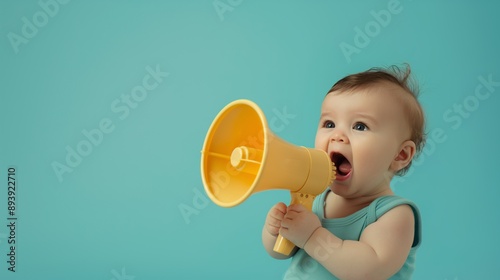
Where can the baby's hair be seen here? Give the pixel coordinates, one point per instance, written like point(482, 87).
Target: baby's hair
point(402, 78)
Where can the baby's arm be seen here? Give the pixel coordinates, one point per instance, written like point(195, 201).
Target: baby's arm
point(381, 251)
point(271, 230)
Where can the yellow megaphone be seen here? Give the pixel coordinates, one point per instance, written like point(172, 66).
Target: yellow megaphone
point(241, 156)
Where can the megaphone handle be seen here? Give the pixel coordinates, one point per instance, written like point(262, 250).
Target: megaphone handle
point(283, 245)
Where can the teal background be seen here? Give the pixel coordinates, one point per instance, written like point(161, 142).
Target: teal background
point(117, 214)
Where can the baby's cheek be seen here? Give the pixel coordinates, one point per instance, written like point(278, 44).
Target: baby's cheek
point(320, 143)
point(369, 162)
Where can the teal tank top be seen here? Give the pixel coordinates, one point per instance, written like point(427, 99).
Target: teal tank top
point(350, 228)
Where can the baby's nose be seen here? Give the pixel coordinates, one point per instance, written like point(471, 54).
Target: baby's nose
point(339, 137)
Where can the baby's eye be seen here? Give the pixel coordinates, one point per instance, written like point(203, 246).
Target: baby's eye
point(328, 124)
point(360, 126)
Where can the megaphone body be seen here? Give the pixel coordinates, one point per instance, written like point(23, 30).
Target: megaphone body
point(242, 156)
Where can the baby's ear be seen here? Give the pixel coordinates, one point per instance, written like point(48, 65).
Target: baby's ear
point(404, 156)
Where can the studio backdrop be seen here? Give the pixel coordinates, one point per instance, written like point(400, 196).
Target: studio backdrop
point(104, 107)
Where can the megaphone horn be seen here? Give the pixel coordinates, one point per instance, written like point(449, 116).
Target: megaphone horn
point(242, 156)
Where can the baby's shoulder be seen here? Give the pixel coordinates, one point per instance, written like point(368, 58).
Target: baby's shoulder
point(392, 203)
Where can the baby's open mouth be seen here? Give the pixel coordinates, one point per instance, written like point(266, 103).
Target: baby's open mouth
point(343, 165)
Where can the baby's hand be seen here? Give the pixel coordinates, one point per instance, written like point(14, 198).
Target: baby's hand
point(299, 224)
point(274, 218)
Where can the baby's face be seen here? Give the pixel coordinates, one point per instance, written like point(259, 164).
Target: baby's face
point(362, 132)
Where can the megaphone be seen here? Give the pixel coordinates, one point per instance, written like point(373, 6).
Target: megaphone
point(242, 156)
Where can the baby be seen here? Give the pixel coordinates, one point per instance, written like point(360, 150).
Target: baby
point(371, 126)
